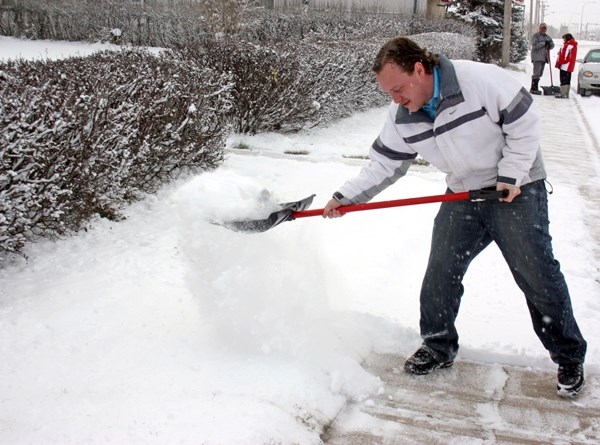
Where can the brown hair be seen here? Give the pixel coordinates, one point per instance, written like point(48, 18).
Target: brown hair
point(568, 37)
point(405, 53)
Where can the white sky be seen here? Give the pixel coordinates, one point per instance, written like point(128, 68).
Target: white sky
point(166, 329)
point(569, 12)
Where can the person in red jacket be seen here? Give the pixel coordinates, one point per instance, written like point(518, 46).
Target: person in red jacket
point(565, 62)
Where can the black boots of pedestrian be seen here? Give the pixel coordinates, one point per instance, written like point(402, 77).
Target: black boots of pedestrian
point(534, 87)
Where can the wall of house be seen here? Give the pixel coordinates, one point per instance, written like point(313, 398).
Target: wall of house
point(429, 8)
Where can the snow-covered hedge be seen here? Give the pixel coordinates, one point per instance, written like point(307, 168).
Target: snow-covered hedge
point(289, 86)
point(340, 76)
point(271, 26)
point(268, 90)
point(176, 24)
point(85, 136)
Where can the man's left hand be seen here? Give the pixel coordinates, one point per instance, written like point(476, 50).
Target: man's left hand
point(513, 191)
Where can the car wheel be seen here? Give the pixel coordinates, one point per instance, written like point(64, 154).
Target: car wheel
point(578, 89)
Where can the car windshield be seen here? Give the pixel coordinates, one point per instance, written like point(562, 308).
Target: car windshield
point(593, 56)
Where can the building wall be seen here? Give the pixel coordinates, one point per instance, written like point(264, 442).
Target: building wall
point(419, 7)
point(397, 6)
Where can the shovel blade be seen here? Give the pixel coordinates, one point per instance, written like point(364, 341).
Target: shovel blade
point(285, 213)
point(551, 91)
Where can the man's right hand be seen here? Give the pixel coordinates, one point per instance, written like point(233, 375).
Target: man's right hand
point(331, 211)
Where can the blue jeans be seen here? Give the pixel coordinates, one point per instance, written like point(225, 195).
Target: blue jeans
point(462, 229)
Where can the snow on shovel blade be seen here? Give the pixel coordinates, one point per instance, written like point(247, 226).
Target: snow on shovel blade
point(285, 213)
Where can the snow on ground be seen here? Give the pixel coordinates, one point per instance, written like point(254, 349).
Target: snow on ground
point(165, 328)
point(50, 50)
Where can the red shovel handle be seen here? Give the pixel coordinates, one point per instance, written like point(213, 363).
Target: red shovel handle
point(474, 195)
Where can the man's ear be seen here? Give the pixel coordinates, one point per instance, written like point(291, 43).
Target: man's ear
point(419, 68)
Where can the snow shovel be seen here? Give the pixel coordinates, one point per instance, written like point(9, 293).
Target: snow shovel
point(551, 90)
point(292, 210)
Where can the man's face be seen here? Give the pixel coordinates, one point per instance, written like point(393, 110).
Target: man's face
point(543, 29)
point(412, 91)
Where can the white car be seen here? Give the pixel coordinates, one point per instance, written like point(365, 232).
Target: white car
point(588, 79)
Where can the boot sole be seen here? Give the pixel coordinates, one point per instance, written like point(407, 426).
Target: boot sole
point(425, 371)
point(569, 392)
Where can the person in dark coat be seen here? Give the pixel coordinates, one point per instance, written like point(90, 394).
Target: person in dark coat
point(541, 44)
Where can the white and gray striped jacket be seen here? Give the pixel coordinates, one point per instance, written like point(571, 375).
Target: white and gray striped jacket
point(486, 130)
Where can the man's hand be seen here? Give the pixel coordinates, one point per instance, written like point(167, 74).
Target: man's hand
point(513, 191)
point(330, 210)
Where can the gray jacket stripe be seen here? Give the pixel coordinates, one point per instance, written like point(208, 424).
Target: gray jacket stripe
point(450, 93)
point(368, 194)
point(460, 121)
point(403, 116)
point(450, 101)
point(380, 148)
point(517, 108)
point(419, 137)
point(507, 180)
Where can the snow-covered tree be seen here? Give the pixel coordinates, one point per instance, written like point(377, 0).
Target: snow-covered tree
point(488, 18)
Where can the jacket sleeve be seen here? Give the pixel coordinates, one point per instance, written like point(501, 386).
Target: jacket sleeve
point(509, 104)
point(390, 159)
point(559, 58)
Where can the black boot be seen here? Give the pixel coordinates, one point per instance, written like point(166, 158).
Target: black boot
point(534, 86)
point(570, 380)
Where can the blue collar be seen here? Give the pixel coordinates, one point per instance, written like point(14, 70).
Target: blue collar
point(430, 108)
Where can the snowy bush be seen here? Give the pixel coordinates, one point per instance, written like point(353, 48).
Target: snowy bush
point(293, 85)
point(340, 72)
point(85, 136)
point(340, 78)
point(451, 45)
point(141, 23)
point(288, 87)
point(177, 24)
point(268, 88)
